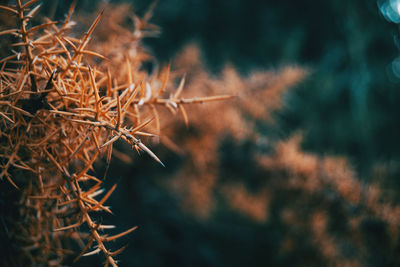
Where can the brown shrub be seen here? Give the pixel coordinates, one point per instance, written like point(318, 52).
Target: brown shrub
point(64, 102)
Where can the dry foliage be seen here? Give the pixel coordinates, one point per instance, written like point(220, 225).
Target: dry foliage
point(257, 97)
point(317, 201)
point(329, 202)
point(64, 102)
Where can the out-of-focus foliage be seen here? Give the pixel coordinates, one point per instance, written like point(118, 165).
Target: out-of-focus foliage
point(258, 96)
point(260, 200)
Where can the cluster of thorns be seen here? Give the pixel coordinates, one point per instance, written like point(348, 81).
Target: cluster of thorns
point(62, 105)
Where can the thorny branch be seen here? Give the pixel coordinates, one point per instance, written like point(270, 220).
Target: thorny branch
point(64, 102)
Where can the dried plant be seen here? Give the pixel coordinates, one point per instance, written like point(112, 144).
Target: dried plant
point(327, 201)
point(257, 97)
point(319, 203)
point(64, 102)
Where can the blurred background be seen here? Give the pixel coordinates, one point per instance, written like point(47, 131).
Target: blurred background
point(309, 178)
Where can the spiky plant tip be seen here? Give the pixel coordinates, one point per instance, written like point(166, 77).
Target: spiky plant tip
point(64, 102)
